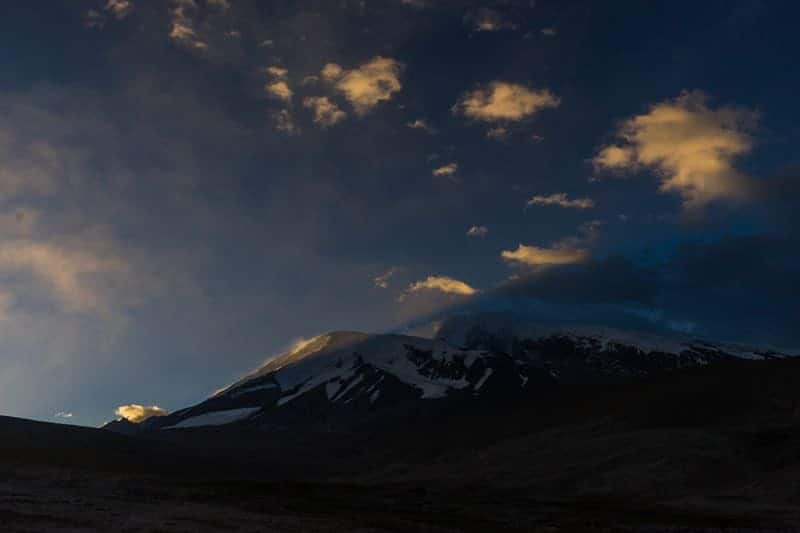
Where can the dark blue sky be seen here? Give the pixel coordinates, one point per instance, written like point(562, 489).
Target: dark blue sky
point(189, 186)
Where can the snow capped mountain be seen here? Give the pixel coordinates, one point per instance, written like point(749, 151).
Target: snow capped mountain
point(480, 358)
point(358, 370)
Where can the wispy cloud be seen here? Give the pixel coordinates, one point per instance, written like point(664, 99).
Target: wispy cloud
point(421, 124)
point(284, 122)
point(382, 281)
point(499, 133)
point(562, 200)
point(477, 231)
point(446, 170)
point(564, 252)
point(117, 9)
point(442, 284)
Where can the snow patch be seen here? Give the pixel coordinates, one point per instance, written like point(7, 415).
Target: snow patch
point(216, 418)
point(248, 390)
point(484, 377)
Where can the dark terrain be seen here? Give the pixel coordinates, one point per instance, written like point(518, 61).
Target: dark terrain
point(714, 448)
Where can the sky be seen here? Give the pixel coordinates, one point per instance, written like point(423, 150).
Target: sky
point(188, 187)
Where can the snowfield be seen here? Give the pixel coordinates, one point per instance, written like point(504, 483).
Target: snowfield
point(215, 418)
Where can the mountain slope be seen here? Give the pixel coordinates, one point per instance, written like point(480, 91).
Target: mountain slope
point(348, 377)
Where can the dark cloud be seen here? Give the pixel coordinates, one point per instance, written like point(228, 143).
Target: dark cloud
point(732, 289)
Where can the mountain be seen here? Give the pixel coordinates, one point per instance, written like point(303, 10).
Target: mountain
point(704, 448)
point(497, 424)
point(346, 378)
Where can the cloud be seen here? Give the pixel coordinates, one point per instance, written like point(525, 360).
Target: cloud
point(421, 124)
point(692, 147)
point(561, 199)
point(94, 19)
point(382, 281)
point(367, 85)
point(119, 8)
point(443, 284)
point(326, 112)
point(331, 72)
point(486, 19)
point(477, 231)
point(504, 102)
point(182, 30)
point(284, 122)
point(63, 414)
point(499, 133)
point(278, 87)
point(71, 275)
point(714, 286)
point(564, 252)
point(277, 72)
point(280, 90)
point(139, 413)
point(558, 254)
point(446, 170)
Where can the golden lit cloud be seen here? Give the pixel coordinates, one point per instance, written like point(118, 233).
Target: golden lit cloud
point(559, 254)
point(331, 72)
point(692, 147)
point(560, 199)
point(182, 30)
point(564, 252)
point(326, 112)
point(504, 102)
point(442, 284)
point(446, 170)
point(369, 84)
point(139, 413)
point(615, 157)
point(279, 90)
